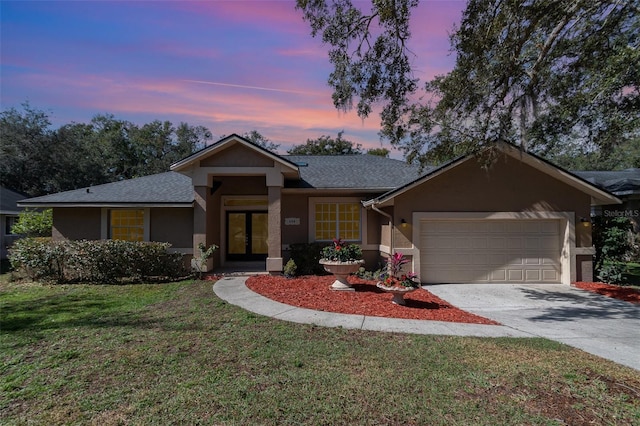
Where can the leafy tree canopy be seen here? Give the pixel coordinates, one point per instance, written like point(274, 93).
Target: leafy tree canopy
point(326, 145)
point(556, 77)
point(38, 160)
point(380, 152)
point(260, 140)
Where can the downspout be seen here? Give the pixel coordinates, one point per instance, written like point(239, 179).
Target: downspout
point(392, 226)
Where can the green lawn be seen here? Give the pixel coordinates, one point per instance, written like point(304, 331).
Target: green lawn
point(176, 354)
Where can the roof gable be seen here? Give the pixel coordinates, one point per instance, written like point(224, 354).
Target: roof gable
point(238, 150)
point(598, 196)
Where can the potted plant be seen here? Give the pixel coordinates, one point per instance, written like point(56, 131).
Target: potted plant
point(397, 282)
point(341, 259)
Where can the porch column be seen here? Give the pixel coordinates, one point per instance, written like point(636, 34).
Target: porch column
point(274, 239)
point(200, 221)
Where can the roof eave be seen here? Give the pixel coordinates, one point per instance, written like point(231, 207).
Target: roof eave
point(106, 204)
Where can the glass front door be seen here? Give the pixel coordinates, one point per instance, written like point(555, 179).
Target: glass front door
point(247, 235)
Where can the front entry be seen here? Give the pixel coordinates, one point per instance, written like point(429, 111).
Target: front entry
point(247, 235)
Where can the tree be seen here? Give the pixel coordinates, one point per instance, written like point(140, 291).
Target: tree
point(258, 139)
point(326, 145)
point(540, 74)
point(190, 139)
point(37, 160)
point(380, 152)
point(25, 149)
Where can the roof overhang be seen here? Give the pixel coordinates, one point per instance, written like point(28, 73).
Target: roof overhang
point(105, 204)
point(598, 196)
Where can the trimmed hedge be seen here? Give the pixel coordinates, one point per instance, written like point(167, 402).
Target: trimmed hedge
point(103, 261)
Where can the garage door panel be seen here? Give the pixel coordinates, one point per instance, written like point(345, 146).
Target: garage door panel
point(515, 275)
point(490, 251)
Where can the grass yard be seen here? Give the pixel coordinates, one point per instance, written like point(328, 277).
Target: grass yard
point(176, 354)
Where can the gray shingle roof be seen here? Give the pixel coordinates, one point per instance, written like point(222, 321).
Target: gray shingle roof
point(9, 201)
point(619, 182)
point(162, 188)
point(366, 172)
point(361, 172)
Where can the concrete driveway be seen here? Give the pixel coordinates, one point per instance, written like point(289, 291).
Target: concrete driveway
point(596, 324)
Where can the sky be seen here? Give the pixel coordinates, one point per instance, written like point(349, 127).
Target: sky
point(231, 66)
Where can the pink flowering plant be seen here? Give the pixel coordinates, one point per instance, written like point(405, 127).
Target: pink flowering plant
point(394, 276)
point(339, 251)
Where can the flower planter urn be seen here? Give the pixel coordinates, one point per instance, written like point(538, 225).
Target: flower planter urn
point(341, 270)
point(397, 291)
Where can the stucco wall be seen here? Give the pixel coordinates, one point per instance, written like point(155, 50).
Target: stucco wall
point(76, 223)
point(172, 225)
point(295, 206)
point(241, 185)
point(237, 156)
point(508, 186)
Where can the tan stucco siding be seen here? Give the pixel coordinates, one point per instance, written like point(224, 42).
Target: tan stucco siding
point(508, 186)
point(172, 225)
point(237, 156)
point(77, 223)
point(241, 185)
point(374, 226)
point(295, 207)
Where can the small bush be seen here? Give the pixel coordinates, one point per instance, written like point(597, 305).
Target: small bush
point(290, 269)
point(307, 258)
point(105, 261)
point(369, 275)
point(612, 272)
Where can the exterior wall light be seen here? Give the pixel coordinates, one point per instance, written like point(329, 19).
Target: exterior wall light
point(585, 222)
point(403, 223)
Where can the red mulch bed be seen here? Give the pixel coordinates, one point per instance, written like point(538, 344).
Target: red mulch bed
point(314, 292)
point(627, 294)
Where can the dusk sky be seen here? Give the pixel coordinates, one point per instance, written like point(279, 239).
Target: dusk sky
point(232, 66)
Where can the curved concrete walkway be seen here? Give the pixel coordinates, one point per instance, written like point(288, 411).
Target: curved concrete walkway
point(596, 324)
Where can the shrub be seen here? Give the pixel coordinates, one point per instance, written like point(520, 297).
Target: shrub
point(199, 264)
point(307, 258)
point(340, 251)
point(38, 258)
point(611, 238)
point(105, 261)
point(290, 269)
point(32, 223)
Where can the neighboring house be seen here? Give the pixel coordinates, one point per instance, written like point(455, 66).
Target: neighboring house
point(9, 212)
point(624, 184)
point(522, 220)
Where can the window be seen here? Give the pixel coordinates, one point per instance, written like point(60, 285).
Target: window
point(337, 220)
point(126, 225)
point(9, 222)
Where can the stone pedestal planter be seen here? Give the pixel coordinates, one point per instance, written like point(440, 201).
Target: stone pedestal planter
point(398, 293)
point(341, 270)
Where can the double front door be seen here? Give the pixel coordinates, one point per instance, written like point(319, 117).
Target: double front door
point(247, 235)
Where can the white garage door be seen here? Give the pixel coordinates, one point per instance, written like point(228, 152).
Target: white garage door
point(490, 251)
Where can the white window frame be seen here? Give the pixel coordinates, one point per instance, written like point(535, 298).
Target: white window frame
point(313, 201)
